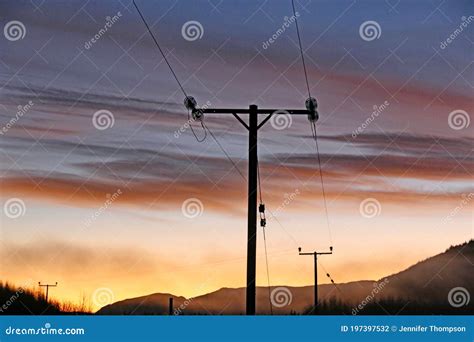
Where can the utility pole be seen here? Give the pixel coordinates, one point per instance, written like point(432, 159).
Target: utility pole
point(315, 255)
point(170, 307)
point(253, 126)
point(47, 288)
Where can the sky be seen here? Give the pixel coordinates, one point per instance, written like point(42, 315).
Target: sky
point(135, 205)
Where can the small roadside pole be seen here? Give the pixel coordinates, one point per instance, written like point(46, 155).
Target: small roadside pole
point(47, 288)
point(171, 307)
point(315, 255)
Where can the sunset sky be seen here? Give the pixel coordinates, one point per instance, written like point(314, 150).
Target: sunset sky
point(414, 159)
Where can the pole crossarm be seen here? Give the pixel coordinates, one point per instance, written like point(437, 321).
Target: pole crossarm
point(315, 253)
point(247, 111)
point(269, 112)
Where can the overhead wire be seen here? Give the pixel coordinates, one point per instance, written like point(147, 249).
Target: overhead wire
point(159, 48)
point(330, 278)
point(223, 150)
point(192, 129)
point(301, 46)
point(323, 190)
point(172, 71)
point(263, 223)
point(312, 122)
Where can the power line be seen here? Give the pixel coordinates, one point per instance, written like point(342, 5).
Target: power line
point(223, 150)
point(312, 102)
point(315, 137)
point(185, 94)
point(330, 278)
point(192, 129)
point(263, 223)
point(171, 69)
point(301, 47)
point(159, 48)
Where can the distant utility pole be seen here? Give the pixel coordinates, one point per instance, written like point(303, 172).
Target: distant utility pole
point(253, 126)
point(170, 307)
point(315, 255)
point(47, 288)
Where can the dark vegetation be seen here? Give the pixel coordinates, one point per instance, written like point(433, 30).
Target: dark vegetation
point(27, 301)
point(391, 306)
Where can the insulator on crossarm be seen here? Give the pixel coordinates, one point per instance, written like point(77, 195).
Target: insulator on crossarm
point(191, 103)
point(198, 115)
point(313, 116)
point(311, 105)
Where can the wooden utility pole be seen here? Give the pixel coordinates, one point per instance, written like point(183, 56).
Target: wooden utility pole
point(315, 255)
point(253, 126)
point(170, 307)
point(47, 288)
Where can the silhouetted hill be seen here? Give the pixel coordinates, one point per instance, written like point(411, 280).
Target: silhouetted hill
point(154, 304)
point(431, 280)
point(426, 283)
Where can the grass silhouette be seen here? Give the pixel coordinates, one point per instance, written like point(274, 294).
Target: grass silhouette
point(16, 300)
